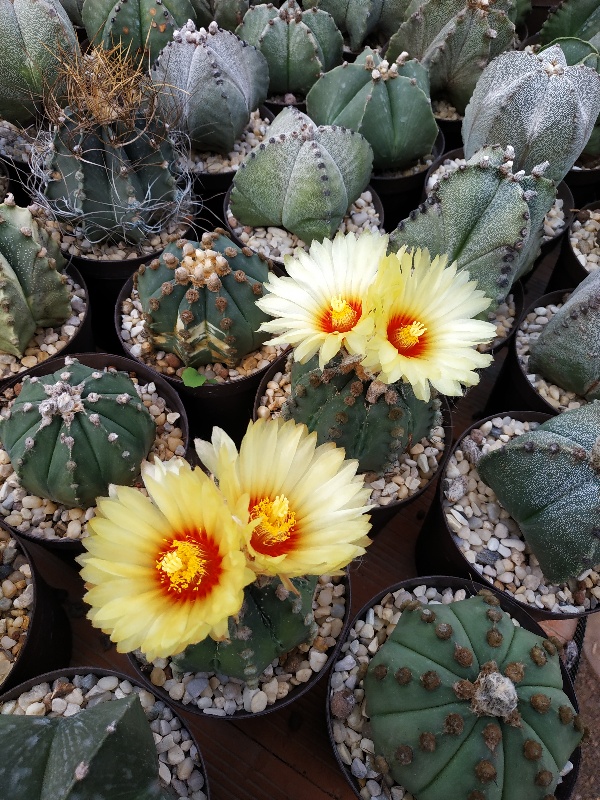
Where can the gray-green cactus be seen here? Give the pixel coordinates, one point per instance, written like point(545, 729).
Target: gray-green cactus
point(576, 18)
point(455, 40)
point(304, 177)
point(210, 81)
point(272, 622)
point(538, 104)
point(359, 18)
point(549, 481)
point(199, 300)
point(228, 14)
point(298, 45)
point(73, 9)
point(33, 289)
point(388, 104)
point(72, 433)
point(458, 696)
point(484, 217)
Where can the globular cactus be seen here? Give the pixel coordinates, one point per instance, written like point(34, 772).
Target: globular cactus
point(486, 218)
point(199, 300)
point(272, 621)
point(298, 45)
point(303, 178)
point(359, 18)
point(73, 9)
point(210, 81)
point(228, 14)
point(33, 290)
point(543, 108)
point(72, 433)
point(374, 422)
point(573, 18)
point(81, 756)
point(388, 104)
point(549, 481)
point(458, 696)
point(455, 40)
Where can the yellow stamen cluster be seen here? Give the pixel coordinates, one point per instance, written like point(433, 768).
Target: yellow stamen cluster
point(342, 314)
point(407, 336)
point(276, 519)
point(183, 566)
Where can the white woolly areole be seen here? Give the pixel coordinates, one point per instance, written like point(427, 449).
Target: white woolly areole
point(495, 695)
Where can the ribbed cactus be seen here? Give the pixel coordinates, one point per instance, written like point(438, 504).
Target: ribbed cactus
point(543, 108)
point(459, 697)
point(486, 218)
point(387, 103)
point(271, 622)
point(372, 421)
point(72, 433)
point(199, 300)
point(33, 290)
point(303, 178)
point(455, 40)
point(81, 757)
point(549, 481)
point(298, 45)
point(228, 14)
point(73, 9)
point(34, 35)
point(359, 18)
point(210, 81)
point(577, 18)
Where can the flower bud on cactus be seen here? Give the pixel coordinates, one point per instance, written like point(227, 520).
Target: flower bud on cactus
point(210, 81)
point(303, 178)
point(72, 433)
point(458, 696)
point(549, 481)
point(359, 18)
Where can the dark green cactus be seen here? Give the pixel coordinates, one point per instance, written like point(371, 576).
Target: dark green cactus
point(72, 433)
point(73, 9)
point(33, 290)
point(388, 104)
point(298, 45)
point(359, 18)
point(549, 482)
point(228, 14)
point(303, 178)
point(577, 18)
point(81, 757)
point(374, 422)
point(210, 81)
point(271, 622)
point(459, 697)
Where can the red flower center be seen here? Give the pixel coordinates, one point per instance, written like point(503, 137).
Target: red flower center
point(408, 336)
point(189, 567)
point(341, 316)
point(276, 533)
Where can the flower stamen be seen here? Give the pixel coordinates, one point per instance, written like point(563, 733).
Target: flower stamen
point(341, 316)
point(406, 336)
point(276, 527)
point(184, 565)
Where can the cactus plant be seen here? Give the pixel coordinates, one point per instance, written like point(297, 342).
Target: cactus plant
point(359, 18)
point(73, 9)
point(538, 104)
point(72, 433)
point(304, 178)
point(388, 104)
point(228, 14)
point(199, 300)
point(576, 18)
point(210, 81)
point(458, 696)
point(33, 290)
point(549, 481)
point(298, 45)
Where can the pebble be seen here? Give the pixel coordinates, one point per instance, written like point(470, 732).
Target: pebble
point(583, 238)
point(200, 162)
point(16, 601)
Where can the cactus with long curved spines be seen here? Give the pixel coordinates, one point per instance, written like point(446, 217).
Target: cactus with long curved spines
point(486, 218)
point(199, 300)
point(210, 81)
point(549, 481)
point(33, 290)
point(303, 178)
point(388, 104)
point(455, 40)
point(272, 621)
point(577, 18)
point(459, 696)
point(538, 104)
point(359, 18)
point(372, 421)
point(72, 433)
point(297, 44)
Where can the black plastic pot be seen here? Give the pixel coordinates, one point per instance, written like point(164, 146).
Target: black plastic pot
point(452, 130)
point(18, 174)
point(276, 106)
point(584, 183)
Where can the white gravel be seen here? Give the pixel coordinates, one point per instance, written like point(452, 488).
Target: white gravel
point(584, 238)
point(16, 601)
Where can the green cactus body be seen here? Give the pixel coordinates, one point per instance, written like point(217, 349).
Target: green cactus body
point(484, 217)
point(81, 757)
point(304, 178)
point(388, 104)
point(33, 290)
point(73, 9)
point(374, 422)
point(549, 481)
point(578, 18)
point(454, 40)
point(359, 18)
point(459, 696)
point(272, 622)
point(538, 104)
point(199, 300)
point(210, 81)
point(72, 433)
point(228, 14)
point(298, 45)
point(34, 34)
